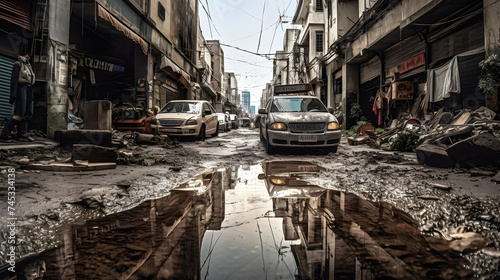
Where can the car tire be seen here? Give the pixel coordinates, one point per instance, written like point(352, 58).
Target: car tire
point(216, 131)
point(330, 150)
point(201, 134)
point(270, 149)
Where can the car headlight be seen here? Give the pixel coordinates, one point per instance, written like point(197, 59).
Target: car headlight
point(333, 126)
point(278, 126)
point(191, 122)
point(278, 181)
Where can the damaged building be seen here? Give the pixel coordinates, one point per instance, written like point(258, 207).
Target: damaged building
point(411, 51)
point(106, 64)
point(392, 64)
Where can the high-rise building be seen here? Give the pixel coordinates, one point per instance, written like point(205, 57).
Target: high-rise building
point(245, 101)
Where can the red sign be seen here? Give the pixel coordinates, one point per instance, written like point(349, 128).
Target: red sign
point(412, 63)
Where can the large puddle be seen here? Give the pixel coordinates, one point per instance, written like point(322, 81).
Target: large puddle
point(263, 221)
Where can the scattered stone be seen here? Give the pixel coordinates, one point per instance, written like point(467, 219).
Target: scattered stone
point(24, 161)
point(124, 184)
point(491, 252)
point(441, 187)
point(428, 197)
point(481, 172)
point(467, 242)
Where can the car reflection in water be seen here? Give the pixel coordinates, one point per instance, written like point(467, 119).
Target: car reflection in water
point(229, 224)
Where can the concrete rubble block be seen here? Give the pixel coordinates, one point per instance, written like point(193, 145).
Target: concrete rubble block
point(434, 155)
point(496, 178)
point(479, 150)
point(68, 138)
point(93, 153)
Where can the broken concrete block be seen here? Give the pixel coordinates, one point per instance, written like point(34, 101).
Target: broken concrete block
point(496, 178)
point(93, 153)
point(68, 138)
point(434, 155)
point(479, 150)
point(143, 138)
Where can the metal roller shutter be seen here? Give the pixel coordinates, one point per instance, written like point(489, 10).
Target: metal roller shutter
point(16, 11)
point(370, 70)
point(5, 73)
point(406, 49)
point(463, 39)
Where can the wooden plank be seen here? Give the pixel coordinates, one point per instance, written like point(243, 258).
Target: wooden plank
point(64, 167)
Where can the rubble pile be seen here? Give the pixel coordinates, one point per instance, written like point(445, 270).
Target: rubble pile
point(468, 139)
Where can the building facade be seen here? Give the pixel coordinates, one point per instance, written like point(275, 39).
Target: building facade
point(408, 48)
point(125, 56)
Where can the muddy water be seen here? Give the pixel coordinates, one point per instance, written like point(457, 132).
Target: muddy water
point(263, 221)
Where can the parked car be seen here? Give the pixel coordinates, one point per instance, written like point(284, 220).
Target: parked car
point(187, 118)
point(298, 120)
point(224, 122)
point(245, 122)
point(234, 121)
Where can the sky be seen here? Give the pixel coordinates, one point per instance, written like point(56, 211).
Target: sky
point(238, 23)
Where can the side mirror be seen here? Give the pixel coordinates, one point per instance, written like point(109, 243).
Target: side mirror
point(331, 110)
point(262, 111)
point(207, 112)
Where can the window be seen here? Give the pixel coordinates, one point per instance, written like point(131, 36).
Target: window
point(319, 5)
point(161, 11)
point(319, 41)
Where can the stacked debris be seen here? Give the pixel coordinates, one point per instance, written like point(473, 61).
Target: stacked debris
point(469, 139)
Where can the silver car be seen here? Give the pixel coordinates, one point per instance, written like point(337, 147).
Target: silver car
point(298, 121)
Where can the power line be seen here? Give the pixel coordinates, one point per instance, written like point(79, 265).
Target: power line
point(209, 19)
point(261, 24)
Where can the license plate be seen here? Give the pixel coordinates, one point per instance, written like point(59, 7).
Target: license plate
point(308, 138)
point(170, 130)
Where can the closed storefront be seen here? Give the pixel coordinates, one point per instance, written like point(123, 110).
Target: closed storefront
point(407, 51)
point(370, 83)
point(455, 52)
point(5, 73)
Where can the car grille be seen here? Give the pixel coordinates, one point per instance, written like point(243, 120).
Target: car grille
point(171, 122)
point(307, 127)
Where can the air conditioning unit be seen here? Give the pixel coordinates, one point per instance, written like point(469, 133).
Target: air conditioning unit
point(402, 91)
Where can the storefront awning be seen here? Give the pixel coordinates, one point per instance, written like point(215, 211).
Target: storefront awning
point(175, 71)
point(124, 29)
point(209, 89)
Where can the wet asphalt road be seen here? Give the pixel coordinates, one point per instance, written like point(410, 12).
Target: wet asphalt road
point(307, 216)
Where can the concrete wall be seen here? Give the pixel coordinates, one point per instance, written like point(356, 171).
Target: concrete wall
point(57, 91)
point(491, 26)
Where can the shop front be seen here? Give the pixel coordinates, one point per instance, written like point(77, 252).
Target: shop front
point(108, 71)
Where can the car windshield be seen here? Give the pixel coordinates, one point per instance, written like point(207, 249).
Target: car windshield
point(297, 104)
point(182, 107)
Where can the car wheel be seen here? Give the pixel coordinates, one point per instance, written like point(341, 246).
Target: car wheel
point(330, 150)
point(270, 149)
point(201, 135)
point(216, 132)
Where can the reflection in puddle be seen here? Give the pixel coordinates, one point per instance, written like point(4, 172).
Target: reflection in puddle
point(233, 224)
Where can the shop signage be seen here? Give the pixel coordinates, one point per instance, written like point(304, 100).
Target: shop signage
point(102, 65)
point(412, 63)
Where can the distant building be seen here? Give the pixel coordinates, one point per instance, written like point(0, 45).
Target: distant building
point(252, 110)
point(245, 101)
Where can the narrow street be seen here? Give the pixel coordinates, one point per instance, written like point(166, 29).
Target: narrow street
point(223, 208)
